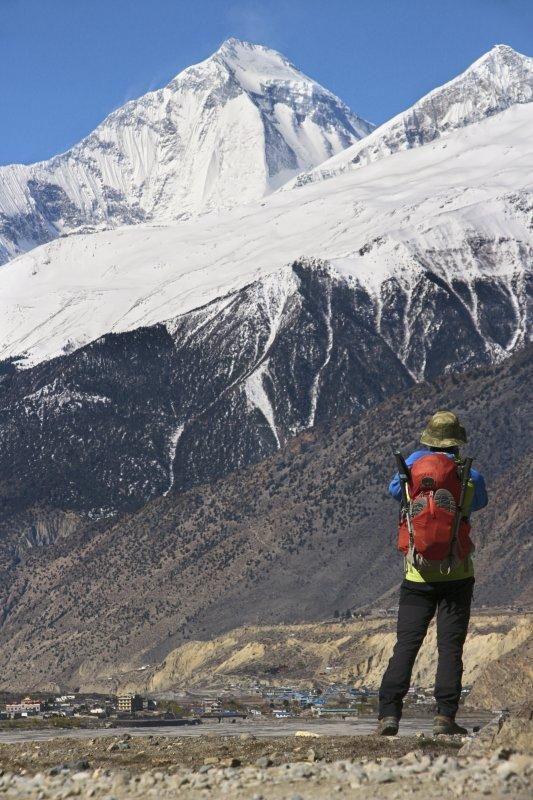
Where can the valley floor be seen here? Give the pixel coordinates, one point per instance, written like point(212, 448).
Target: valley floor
point(261, 729)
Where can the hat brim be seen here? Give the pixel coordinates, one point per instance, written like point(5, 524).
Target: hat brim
point(431, 441)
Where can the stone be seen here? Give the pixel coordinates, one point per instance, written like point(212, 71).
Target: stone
point(230, 762)
point(299, 771)
point(412, 756)
point(505, 771)
point(522, 762)
point(421, 765)
point(501, 754)
point(79, 765)
point(382, 776)
point(263, 762)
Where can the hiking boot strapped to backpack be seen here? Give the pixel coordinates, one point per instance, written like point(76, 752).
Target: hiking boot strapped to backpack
point(432, 531)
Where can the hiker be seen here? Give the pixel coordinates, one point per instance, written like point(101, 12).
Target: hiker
point(439, 575)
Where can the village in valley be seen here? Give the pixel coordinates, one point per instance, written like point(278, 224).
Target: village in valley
point(237, 702)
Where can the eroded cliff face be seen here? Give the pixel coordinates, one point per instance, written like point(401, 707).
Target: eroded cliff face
point(507, 681)
point(356, 652)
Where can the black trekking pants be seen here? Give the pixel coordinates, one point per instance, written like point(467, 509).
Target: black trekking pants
point(418, 603)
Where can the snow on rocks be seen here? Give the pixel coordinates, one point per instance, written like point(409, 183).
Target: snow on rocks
point(449, 208)
point(499, 79)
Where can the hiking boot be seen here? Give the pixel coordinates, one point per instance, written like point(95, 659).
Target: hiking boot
point(388, 726)
point(444, 499)
point(418, 505)
point(446, 726)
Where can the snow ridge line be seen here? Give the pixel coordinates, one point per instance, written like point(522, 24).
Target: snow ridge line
point(257, 397)
point(517, 293)
point(329, 347)
point(173, 446)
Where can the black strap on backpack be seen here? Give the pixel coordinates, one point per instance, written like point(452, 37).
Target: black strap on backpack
point(405, 478)
point(465, 477)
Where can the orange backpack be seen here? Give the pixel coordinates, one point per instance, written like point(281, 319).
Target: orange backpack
point(435, 499)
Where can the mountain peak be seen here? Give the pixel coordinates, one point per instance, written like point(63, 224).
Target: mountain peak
point(503, 51)
point(239, 48)
point(500, 78)
point(228, 130)
point(255, 65)
point(498, 56)
point(234, 45)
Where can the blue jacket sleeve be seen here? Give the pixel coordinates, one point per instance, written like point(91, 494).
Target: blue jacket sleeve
point(480, 498)
point(395, 489)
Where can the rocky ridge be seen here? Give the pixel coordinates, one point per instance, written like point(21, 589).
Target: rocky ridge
point(135, 414)
point(499, 79)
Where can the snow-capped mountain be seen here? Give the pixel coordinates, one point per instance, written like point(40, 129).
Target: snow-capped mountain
point(228, 130)
point(498, 80)
point(426, 209)
point(186, 351)
point(153, 357)
point(143, 359)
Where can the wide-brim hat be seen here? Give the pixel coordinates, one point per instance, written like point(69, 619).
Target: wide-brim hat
point(443, 430)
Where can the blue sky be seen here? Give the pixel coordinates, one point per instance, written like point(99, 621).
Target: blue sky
point(65, 64)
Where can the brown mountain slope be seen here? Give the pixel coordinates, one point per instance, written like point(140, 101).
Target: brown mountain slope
point(306, 532)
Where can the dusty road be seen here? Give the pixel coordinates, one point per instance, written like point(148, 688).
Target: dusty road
point(357, 726)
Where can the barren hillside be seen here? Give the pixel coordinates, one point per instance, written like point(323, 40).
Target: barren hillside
point(292, 539)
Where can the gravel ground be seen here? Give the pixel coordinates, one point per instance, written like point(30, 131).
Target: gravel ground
point(290, 768)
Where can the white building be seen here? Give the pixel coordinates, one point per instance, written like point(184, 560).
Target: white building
point(25, 707)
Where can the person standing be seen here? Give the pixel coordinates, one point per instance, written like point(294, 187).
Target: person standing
point(442, 586)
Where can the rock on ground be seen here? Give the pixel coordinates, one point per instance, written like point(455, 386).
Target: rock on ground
point(210, 767)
